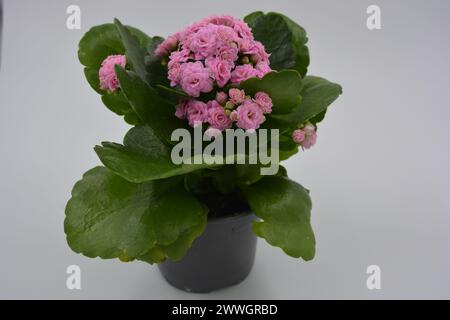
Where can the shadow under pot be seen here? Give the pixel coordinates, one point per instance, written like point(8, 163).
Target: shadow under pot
point(221, 257)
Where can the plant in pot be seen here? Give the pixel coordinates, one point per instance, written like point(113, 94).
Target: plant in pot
point(198, 218)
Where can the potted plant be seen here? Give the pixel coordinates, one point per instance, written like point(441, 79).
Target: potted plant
point(199, 217)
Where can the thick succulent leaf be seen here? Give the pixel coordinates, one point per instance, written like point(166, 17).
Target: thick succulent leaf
point(172, 95)
point(228, 177)
point(317, 94)
point(133, 50)
point(98, 43)
point(92, 78)
point(109, 217)
point(251, 18)
point(284, 39)
point(318, 118)
point(287, 149)
point(154, 255)
point(148, 105)
point(284, 207)
point(117, 103)
point(156, 68)
point(178, 249)
point(283, 87)
point(282, 172)
point(104, 40)
point(142, 157)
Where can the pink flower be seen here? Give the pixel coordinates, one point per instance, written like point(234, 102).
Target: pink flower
point(249, 116)
point(220, 70)
point(262, 68)
point(217, 117)
point(264, 102)
point(211, 104)
point(174, 65)
point(237, 96)
point(310, 141)
point(234, 116)
point(221, 20)
point(247, 46)
point(306, 137)
point(226, 35)
point(309, 129)
point(259, 54)
point(196, 112)
point(107, 74)
point(216, 43)
point(181, 109)
point(228, 52)
point(187, 34)
point(204, 42)
point(298, 136)
point(179, 56)
point(242, 29)
point(241, 73)
point(173, 74)
point(195, 78)
point(221, 97)
point(167, 45)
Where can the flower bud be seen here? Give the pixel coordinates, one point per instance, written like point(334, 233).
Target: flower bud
point(298, 136)
point(234, 116)
point(309, 128)
point(221, 97)
point(229, 105)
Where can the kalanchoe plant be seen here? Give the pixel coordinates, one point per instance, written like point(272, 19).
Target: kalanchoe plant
point(219, 73)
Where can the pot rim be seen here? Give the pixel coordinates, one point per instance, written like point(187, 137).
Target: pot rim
point(234, 217)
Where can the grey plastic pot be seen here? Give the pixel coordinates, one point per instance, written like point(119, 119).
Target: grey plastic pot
point(222, 256)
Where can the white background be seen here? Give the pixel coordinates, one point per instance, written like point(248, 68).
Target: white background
point(379, 175)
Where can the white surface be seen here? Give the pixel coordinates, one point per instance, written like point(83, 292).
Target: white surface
point(378, 176)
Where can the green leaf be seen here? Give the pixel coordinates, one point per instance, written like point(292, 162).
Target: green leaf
point(283, 39)
point(148, 105)
point(317, 94)
point(114, 101)
point(228, 177)
point(251, 18)
point(156, 68)
point(177, 250)
point(109, 217)
point(283, 87)
point(171, 95)
point(171, 91)
point(142, 157)
point(97, 44)
point(154, 255)
point(104, 40)
point(284, 207)
point(92, 78)
point(133, 50)
point(287, 149)
point(153, 44)
point(318, 118)
point(282, 172)
point(198, 182)
point(117, 103)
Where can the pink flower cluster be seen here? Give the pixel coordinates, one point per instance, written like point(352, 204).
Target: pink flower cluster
point(217, 50)
point(107, 74)
point(305, 136)
point(226, 109)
